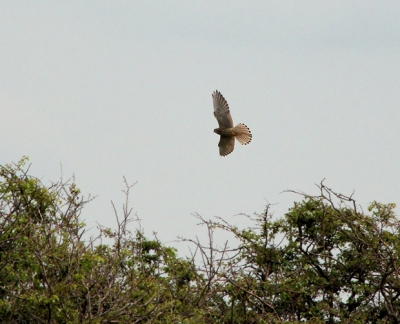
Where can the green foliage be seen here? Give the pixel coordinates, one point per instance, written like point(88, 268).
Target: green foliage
point(325, 261)
point(50, 274)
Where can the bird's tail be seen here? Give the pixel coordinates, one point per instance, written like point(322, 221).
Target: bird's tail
point(242, 134)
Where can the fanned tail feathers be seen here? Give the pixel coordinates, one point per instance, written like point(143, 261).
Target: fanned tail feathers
point(242, 134)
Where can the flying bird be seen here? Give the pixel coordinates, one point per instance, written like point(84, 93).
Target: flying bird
point(227, 132)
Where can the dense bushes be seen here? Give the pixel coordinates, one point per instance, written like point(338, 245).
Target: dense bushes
point(325, 261)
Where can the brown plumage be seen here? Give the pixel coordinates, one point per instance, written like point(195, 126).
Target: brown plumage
point(226, 130)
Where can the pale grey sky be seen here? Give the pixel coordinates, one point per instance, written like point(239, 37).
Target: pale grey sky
point(123, 88)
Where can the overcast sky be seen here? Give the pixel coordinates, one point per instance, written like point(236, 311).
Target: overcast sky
point(123, 88)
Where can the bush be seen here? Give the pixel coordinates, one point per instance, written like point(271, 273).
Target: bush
point(325, 261)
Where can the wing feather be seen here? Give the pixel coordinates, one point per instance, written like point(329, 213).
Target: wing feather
point(221, 110)
point(226, 145)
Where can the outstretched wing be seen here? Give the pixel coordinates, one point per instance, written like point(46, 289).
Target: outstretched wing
point(226, 145)
point(221, 111)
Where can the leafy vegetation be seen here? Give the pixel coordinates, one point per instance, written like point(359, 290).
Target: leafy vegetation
point(324, 261)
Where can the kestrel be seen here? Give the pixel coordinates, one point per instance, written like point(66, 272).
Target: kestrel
point(228, 133)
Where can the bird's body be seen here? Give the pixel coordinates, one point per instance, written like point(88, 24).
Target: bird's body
point(226, 129)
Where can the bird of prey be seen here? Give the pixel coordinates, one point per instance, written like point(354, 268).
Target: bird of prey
point(227, 132)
